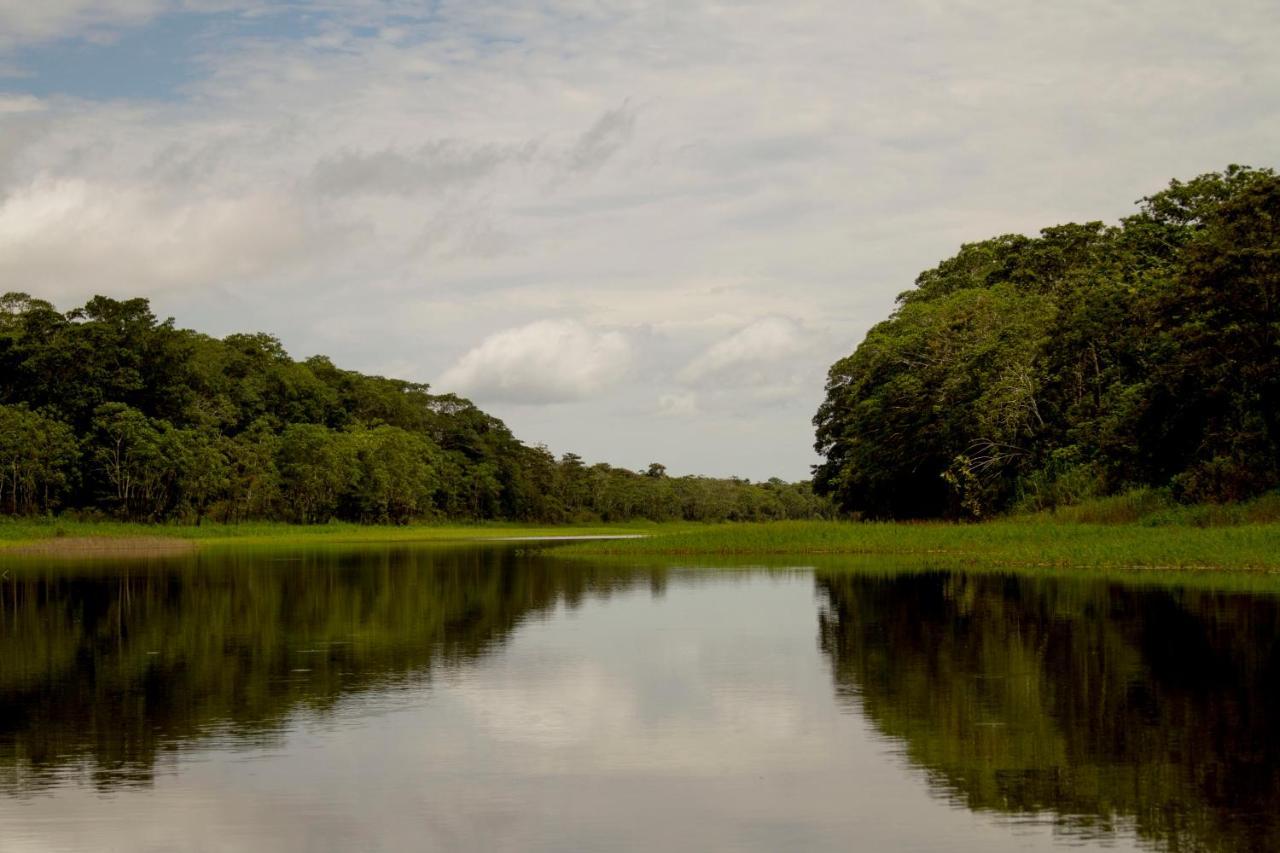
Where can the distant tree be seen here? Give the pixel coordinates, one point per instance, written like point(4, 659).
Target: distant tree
point(107, 408)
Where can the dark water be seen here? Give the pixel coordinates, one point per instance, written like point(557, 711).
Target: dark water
point(484, 700)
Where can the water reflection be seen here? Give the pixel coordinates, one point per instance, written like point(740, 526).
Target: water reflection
point(408, 698)
point(110, 665)
point(1098, 703)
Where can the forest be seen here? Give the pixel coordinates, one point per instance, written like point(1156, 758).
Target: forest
point(107, 412)
point(1023, 374)
point(1028, 373)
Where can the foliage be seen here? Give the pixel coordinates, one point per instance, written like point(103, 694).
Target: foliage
point(37, 460)
point(106, 410)
point(1042, 371)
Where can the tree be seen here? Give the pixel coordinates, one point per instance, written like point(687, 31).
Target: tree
point(316, 467)
point(1087, 360)
point(38, 455)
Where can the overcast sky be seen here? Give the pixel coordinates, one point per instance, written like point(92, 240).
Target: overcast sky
point(636, 230)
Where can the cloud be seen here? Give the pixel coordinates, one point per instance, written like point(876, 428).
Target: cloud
point(389, 182)
point(550, 361)
point(30, 21)
point(433, 167)
point(20, 104)
point(27, 21)
point(602, 140)
point(681, 404)
point(60, 234)
point(763, 343)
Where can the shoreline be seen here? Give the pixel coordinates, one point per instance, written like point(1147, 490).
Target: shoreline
point(93, 539)
point(1050, 545)
point(103, 546)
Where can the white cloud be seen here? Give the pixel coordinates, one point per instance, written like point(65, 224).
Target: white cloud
point(20, 104)
point(550, 361)
point(42, 19)
point(388, 189)
point(681, 404)
point(57, 234)
point(98, 20)
point(763, 343)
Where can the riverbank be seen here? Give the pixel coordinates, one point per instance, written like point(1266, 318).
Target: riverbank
point(60, 537)
point(1038, 541)
point(1017, 542)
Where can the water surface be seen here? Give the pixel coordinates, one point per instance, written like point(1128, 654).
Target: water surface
point(488, 699)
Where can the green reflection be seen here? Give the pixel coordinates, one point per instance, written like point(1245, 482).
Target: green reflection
point(108, 666)
point(1101, 704)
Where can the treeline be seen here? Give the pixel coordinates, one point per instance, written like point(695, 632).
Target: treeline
point(106, 411)
point(1032, 372)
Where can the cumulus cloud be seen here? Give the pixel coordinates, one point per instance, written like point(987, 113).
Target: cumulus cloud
point(415, 176)
point(763, 343)
point(550, 361)
point(59, 234)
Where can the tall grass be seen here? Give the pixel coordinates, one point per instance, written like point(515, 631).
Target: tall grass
point(15, 532)
point(1032, 542)
point(1141, 529)
point(1157, 508)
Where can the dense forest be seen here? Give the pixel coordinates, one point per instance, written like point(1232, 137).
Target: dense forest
point(106, 411)
point(1030, 372)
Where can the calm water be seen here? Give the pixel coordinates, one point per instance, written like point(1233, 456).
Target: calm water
point(483, 700)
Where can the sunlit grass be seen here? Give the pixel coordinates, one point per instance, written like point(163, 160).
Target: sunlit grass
point(1035, 541)
point(1031, 542)
point(17, 532)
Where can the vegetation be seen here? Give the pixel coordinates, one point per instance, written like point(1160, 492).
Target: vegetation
point(108, 413)
point(1028, 373)
point(21, 532)
point(1006, 543)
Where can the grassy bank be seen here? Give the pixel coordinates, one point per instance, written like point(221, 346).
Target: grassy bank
point(1139, 534)
point(21, 533)
point(1022, 542)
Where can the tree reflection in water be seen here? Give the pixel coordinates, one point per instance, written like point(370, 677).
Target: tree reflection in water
point(1098, 703)
point(110, 666)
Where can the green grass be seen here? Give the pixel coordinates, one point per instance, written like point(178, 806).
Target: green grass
point(18, 532)
point(1157, 508)
point(1020, 542)
point(1191, 538)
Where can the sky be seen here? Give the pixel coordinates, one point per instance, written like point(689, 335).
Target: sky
point(636, 230)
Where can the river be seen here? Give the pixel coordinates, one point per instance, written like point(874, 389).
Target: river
point(501, 698)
